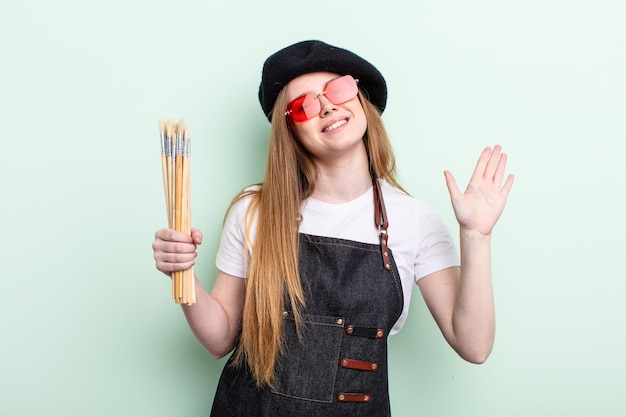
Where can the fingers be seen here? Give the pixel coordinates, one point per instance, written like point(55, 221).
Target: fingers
point(499, 170)
point(171, 235)
point(174, 262)
point(493, 162)
point(491, 166)
point(480, 205)
point(498, 162)
point(507, 185)
point(481, 165)
point(175, 251)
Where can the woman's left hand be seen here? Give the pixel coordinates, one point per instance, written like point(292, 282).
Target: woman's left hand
point(479, 207)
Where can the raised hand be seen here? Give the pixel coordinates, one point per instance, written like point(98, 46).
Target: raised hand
point(480, 206)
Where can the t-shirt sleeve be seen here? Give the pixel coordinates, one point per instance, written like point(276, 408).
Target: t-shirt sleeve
point(437, 250)
point(231, 255)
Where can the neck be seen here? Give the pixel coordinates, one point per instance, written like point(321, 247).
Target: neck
point(342, 180)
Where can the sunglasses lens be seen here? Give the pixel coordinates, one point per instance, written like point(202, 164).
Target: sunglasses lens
point(303, 108)
point(341, 89)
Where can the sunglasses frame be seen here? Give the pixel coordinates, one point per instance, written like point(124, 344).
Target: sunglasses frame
point(315, 96)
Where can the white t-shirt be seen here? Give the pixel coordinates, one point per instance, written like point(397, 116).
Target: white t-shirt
point(420, 242)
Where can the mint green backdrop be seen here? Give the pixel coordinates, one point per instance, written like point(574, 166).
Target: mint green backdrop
point(87, 326)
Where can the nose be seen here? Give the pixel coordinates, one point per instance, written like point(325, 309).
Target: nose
point(326, 106)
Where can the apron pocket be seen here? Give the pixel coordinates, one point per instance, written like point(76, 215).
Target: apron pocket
point(308, 366)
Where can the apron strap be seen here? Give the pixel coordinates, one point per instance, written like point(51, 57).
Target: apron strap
point(382, 223)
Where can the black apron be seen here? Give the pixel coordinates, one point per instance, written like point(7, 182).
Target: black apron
point(339, 366)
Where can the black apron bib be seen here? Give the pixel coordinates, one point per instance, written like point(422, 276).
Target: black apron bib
point(339, 365)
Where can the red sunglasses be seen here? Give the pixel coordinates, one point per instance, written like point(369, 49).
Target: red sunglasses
point(307, 106)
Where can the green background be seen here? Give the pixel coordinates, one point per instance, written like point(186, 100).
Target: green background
point(87, 324)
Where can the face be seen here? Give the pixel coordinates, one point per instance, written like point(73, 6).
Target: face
point(336, 128)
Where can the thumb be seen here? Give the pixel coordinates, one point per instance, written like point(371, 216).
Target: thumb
point(196, 235)
point(453, 189)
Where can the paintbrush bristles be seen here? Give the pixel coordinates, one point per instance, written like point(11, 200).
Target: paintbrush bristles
point(175, 162)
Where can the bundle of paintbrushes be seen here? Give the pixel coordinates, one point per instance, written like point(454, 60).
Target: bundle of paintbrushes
point(175, 161)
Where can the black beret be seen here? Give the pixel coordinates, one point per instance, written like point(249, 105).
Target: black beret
point(315, 56)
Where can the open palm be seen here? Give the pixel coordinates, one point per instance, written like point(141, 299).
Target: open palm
point(481, 204)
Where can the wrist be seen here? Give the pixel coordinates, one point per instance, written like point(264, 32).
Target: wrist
point(474, 235)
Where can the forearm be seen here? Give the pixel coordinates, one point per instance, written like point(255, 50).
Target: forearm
point(210, 323)
point(474, 311)
point(471, 327)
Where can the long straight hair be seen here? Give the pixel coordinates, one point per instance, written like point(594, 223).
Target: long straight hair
point(273, 279)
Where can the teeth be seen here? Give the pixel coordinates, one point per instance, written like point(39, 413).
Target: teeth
point(335, 125)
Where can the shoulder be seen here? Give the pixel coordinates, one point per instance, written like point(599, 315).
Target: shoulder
point(405, 206)
point(238, 217)
point(413, 224)
point(241, 202)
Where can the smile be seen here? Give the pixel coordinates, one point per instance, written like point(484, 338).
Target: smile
point(335, 125)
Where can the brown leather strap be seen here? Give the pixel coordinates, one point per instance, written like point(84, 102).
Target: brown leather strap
point(382, 223)
point(354, 398)
point(360, 365)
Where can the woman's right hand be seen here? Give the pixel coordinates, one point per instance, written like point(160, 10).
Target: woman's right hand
point(175, 251)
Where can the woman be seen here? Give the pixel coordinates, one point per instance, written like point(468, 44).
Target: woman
point(316, 264)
